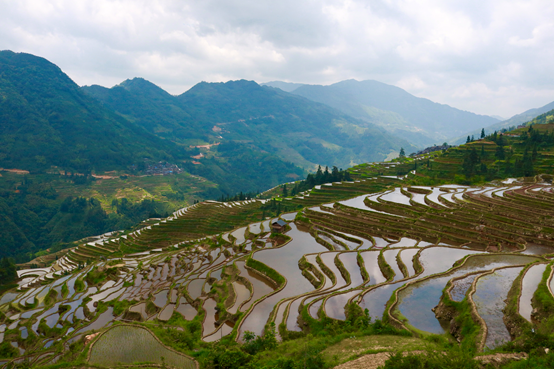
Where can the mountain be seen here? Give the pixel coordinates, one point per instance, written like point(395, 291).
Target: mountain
point(285, 86)
point(290, 126)
point(418, 120)
point(516, 120)
point(150, 107)
point(47, 120)
point(244, 117)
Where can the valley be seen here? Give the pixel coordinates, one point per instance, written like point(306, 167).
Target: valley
point(238, 225)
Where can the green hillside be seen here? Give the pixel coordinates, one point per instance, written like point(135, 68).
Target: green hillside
point(299, 130)
point(47, 120)
point(152, 108)
point(251, 117)
point(234, 165)
point(523, 152)
point(514, 121)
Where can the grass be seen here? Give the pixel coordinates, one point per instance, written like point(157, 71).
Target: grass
point(267, 271)
point(353, 347)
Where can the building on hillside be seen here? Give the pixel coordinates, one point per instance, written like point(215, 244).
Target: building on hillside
point(279, 226)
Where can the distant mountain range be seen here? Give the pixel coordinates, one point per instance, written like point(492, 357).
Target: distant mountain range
point(418, 120)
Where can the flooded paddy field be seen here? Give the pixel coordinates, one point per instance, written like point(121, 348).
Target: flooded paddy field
point(402, 246)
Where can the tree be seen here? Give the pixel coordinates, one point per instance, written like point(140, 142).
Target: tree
point(500, 152)
point(8, 271)
point(468, 139)
point(402, 153)
point(285, 192)
point(482, 133)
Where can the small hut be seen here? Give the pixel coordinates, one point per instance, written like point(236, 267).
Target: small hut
point(278, 226)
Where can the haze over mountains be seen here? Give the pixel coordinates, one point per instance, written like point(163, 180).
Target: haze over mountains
point(419, 120)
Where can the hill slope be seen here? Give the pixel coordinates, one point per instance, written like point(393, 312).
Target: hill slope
point(513, 121)
point(149, 106)
point(285, 86)
point(246, 117)
point(420, 120)
point(47, 120)
point(292, 127)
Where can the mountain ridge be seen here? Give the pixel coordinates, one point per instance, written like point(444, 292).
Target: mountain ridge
point(395, 109)
point(48, 121)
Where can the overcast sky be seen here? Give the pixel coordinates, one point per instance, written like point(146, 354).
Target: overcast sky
point(489, 57)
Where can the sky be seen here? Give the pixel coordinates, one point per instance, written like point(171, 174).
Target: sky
point(492, 57)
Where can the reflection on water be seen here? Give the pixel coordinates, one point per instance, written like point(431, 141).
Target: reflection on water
point(260, 284)
point(529, 285)
point(186, 310)
point(491, 292)
point(407, 257)
point(417, 300)
point(390, 258)
point(285, 261)
point(242, 294)
point(209, 320)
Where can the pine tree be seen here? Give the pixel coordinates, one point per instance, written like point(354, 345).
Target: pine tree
point(482, 133)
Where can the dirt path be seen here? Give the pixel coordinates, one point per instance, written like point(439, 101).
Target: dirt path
point(372, 361)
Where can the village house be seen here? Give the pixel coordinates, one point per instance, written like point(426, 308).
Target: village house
point(278, 226)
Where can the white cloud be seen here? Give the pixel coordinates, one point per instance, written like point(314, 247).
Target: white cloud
point(491, 57)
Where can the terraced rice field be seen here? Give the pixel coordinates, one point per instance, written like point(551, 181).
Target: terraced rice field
point(391, 252)
point(128, 345)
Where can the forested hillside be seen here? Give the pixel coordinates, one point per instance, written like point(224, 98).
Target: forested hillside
point(252, 117)
point(47, 120)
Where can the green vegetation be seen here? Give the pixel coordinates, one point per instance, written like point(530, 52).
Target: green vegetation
point(267, 271)
point(310, 351)
point(48, 121)
point(8, 271)
point(319, 178)
point(522, 152)
point(454, 358)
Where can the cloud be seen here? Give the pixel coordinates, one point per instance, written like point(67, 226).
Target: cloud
point(492, 57)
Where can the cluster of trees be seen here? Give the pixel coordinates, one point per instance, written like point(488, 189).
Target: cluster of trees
point(34, 217)
point(318, 178)
point(534, 137)
point(531, 140)
point(236, 168)
point(239, 197)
